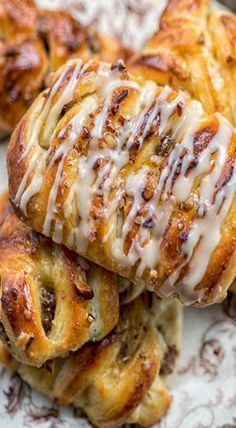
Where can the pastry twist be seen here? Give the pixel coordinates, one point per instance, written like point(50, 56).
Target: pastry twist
point(52, 301)
point(122, 378)
point(135, 177)
point(35, 42)
point(194, 48)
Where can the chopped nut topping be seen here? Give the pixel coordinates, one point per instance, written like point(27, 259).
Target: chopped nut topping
point(90, 318)
point(147, 194)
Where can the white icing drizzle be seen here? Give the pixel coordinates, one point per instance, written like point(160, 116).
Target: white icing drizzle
point(86, 186)
point(63, 100)
point(101, 118)
point(174, 186)
point(149, 254)
point(46, 109)
point(75, 125)
point(49, 114)
point(205, 233)
point(23, 183)
point(162, 98)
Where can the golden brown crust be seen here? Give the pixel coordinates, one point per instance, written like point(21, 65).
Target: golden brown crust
point(35, 42)
point(17, 19)
point(37, 184)
point(194, 48)
point(51, 301)
point(66, 38)
point(22, 67)
point(222, 28)
point(121, 379)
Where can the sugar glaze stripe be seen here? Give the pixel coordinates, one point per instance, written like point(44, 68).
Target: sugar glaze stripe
point(174, 186)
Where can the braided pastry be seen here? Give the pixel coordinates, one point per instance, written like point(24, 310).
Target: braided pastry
point(121, 378)
point(52, 301)
point(195, 49)
point(132, 176)
point(35, 42)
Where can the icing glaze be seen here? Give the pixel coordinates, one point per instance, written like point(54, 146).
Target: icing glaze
point(161, 114)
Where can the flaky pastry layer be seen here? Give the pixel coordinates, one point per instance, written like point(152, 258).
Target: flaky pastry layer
point(122, 378)
point(194, 48)
point(52, 301)
point(134, 177)
point(35, 42)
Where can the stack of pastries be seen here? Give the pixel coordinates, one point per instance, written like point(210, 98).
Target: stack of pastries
point(121, 203)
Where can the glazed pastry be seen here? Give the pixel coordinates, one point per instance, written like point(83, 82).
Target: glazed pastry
point(122, 378)
point(195, 49)
point(135, 177)
point(52, 301)
point(35, 42)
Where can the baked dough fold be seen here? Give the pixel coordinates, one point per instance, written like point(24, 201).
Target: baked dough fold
point(52, 301)
point(194, 48)
point(134, 177)
point(122, 378)
point(34, 42)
